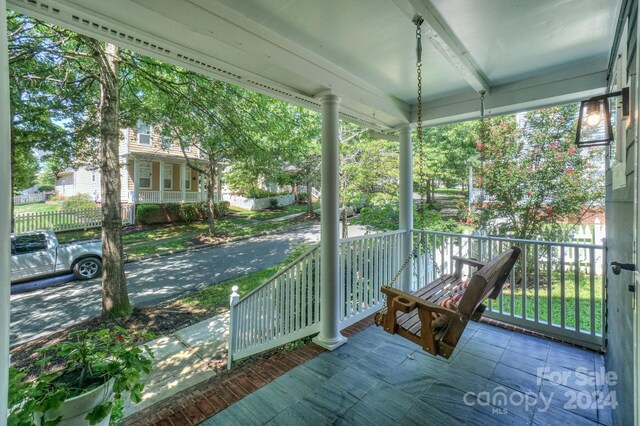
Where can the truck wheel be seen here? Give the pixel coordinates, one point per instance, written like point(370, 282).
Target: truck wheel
point(87, 268)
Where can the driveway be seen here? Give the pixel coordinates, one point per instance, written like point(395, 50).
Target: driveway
point(154, 281)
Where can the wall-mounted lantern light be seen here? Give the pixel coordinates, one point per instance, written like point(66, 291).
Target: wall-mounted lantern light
point(594, 121)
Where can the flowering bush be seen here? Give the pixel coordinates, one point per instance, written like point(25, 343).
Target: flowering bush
point(531, 174)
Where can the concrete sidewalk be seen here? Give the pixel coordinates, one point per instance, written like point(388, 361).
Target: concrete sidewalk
point(184, 358)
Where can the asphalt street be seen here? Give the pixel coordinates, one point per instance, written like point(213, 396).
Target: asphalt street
point(149, 282)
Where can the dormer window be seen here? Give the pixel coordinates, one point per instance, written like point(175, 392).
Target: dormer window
point(144, 134)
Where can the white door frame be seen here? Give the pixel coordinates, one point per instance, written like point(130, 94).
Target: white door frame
point(636, 241)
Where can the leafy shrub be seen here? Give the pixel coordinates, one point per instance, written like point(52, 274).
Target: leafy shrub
point(273, 203)
point(58, 198)
point(148, 213)
point(387, 218)
point(46, 188)
point(222, 208)
point(263, 193)
point(302, 197)
point(188, 213)
point(80, 201)
point(172, 210)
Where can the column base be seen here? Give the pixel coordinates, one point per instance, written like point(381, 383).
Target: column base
point(329, 344)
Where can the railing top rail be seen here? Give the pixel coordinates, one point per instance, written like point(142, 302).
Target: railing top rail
point(277, 274)
point(370, 236)
point(512, 240)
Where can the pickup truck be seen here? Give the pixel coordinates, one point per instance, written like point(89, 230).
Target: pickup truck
point(38, 253)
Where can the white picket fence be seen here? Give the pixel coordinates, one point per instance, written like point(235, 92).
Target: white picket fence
point(38, 197)
point(67, 220)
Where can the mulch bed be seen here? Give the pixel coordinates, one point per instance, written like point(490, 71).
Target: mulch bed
point(159, 320)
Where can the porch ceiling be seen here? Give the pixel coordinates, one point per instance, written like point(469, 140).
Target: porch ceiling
point(525, 53)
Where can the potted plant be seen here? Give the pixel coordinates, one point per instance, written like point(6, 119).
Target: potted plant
point(98, 367)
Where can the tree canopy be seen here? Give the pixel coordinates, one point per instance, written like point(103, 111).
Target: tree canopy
point(532, 176)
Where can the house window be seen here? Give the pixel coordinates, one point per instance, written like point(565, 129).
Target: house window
point(93, 176)
point(166, 142)
point(168, 176)
point(187, 179)
point(144, 134)
point(144, 175)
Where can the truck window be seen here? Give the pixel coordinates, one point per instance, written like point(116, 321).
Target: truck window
point(30, 243)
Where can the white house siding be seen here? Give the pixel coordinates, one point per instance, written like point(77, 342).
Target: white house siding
point(88, 182)
point(65, 184)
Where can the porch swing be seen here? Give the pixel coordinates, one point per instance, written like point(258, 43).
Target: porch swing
point(436, 315)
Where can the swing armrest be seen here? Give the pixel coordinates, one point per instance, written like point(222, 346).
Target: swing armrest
point(465, 261)
point(399, 300)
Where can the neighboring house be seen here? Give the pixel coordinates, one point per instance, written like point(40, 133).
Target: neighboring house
point(154, 170)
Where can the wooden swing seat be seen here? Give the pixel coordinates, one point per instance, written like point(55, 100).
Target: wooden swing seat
point(411, 315)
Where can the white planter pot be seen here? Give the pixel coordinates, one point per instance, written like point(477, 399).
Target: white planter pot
point(74, 410)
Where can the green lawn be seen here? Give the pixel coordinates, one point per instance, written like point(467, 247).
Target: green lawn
point(450, 191)
point(36, 208)
point(215, 298)
point(180, 236)
point(556, 308)
point(272, 214)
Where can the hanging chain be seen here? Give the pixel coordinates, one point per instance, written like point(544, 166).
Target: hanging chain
point(418, 20)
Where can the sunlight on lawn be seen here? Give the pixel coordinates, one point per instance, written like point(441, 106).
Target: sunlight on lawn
point(555, 302)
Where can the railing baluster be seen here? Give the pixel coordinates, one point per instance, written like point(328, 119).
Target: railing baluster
point(308, 264)
point(536, 283)
point(349, 283)
point(549, 285)
point(562, 289)
point(592, 299)
point(576, 283)
point(523, 283)
point(317, 285)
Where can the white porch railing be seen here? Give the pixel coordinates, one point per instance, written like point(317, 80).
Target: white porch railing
point(67, 220)
point(286, 307)
point(562, 292)
point(315, 193)
point(155, 197)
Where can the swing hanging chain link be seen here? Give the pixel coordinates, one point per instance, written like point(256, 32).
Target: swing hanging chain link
point(418, 20)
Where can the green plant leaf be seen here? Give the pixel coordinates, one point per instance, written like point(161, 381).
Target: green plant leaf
point(99, 413)
point(136, 393)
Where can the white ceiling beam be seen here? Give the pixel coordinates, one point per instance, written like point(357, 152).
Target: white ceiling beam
point(445, 42)
point(557, 88)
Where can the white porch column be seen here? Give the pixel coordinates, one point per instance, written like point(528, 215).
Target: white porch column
point(161, 183)
point(136, 179)
point(406, 202)
point(329, 337)
point(5, 213)
point(183, 177)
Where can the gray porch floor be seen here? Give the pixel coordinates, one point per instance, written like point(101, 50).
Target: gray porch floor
point(495, 377)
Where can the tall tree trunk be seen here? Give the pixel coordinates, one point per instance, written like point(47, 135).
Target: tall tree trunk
point(115, 298)
point(211, 192)
point(309, 198)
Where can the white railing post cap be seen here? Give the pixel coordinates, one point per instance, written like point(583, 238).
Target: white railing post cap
point(234, 295)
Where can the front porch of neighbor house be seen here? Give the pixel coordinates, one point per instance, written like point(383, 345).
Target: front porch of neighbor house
point(154, 179)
